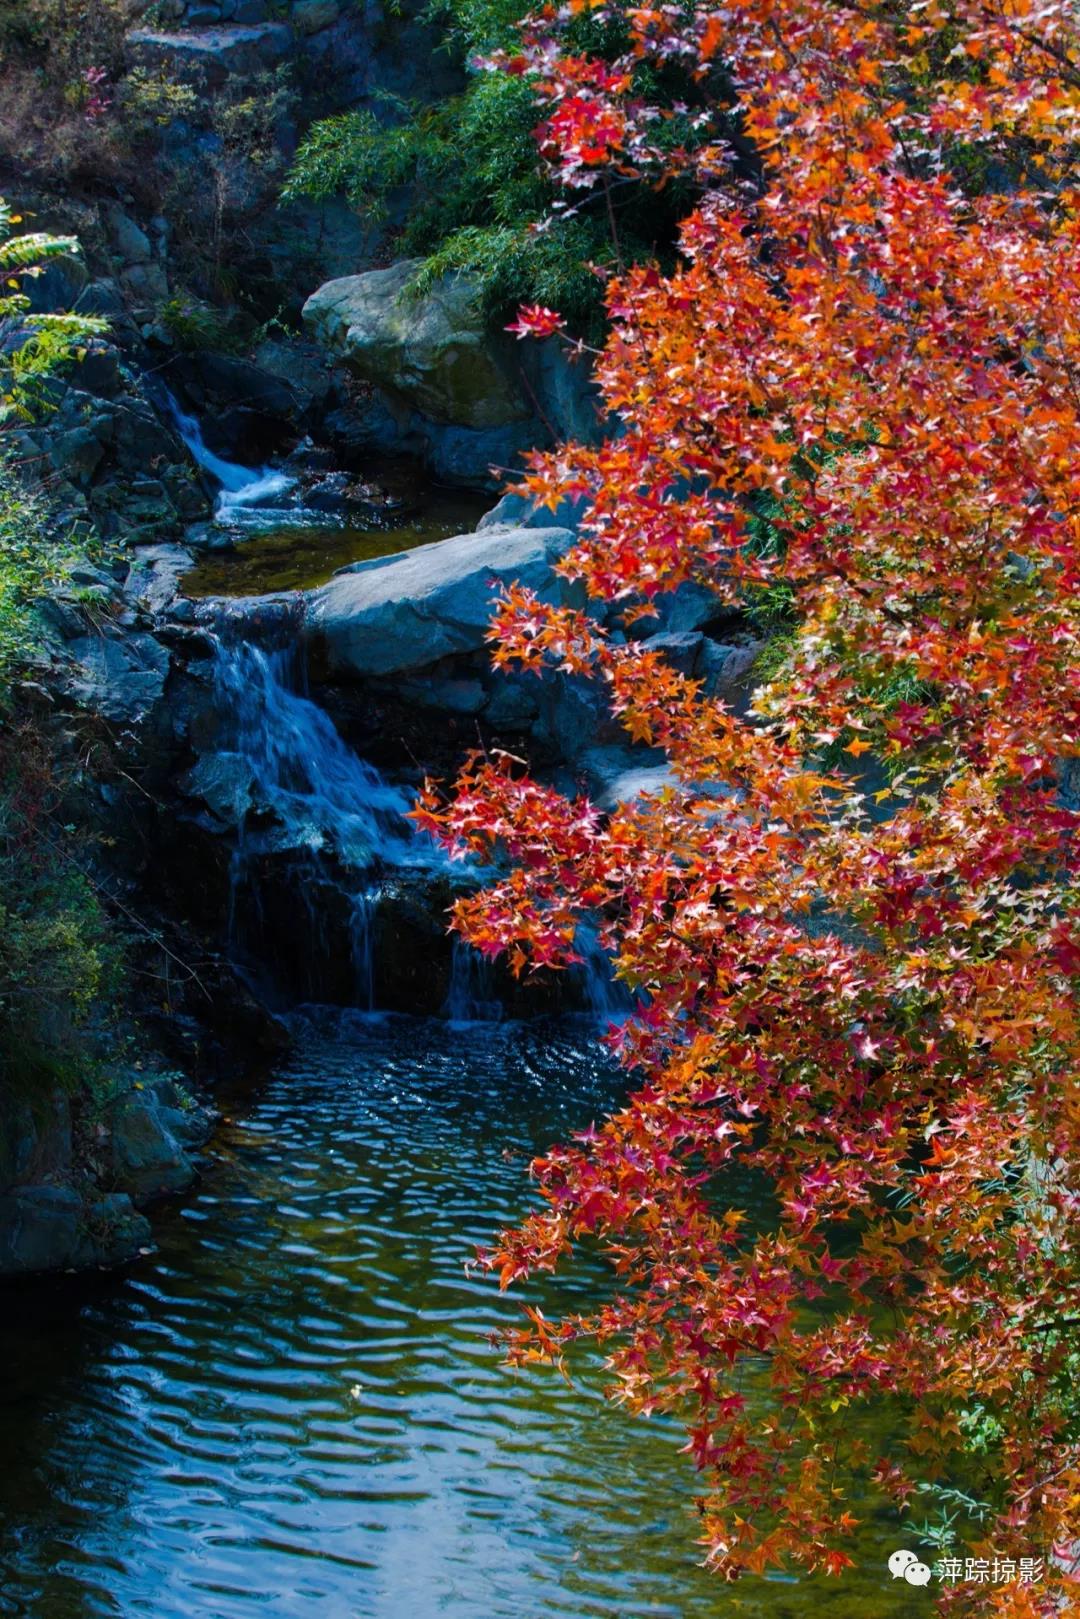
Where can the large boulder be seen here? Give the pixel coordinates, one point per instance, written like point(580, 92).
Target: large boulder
point(48, 1228)
point(435, 354)
point(405, 612)
point(150, 1129)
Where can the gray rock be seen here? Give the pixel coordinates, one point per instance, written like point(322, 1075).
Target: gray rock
point(435, 353)
point(620, 773)
point(407, 611)
point(100, 298)
point(129, 239)
point(311, 16)
point(154, 577)
point(98, 371)
point(461, 696)
point(687, 608)
point(77, 454)
point(682, 649)
point(35, 1140)
point(41, 1228)
point(61, 282)
point(147, 284)
point(477, 457)
point(513, 704)
point(223, 781)
point(215, 53)
point(722, 667)
point(47, 1228)
point(517, 511)
point(146, 1158)
point(118, 677)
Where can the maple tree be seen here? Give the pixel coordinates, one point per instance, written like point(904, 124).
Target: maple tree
point(851, 921)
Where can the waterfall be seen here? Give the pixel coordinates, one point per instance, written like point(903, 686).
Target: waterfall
point(241, 490)
point(605, 998)
point(319, 831)
point(320, 793)
point(471, 996)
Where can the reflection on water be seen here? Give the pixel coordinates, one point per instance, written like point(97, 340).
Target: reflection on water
point(293, 1409)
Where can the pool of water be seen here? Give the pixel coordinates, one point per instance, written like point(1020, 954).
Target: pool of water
point(292, 1410)
point(291, 553)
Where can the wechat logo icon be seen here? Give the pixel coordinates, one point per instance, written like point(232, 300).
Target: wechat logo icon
point(904, 1565)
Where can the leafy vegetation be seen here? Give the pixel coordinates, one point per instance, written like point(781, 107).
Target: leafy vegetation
point(47, 341)
point(479, 198)
point(869, 994)
point(59, 956)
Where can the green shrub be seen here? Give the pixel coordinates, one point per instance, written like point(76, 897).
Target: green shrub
point(477, 192)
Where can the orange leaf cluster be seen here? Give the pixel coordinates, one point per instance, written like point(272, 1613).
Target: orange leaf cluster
point(851, 925)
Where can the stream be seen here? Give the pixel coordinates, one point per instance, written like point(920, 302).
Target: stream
point(292, 1408)
point(284, 527)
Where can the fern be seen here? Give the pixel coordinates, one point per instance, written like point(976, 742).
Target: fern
point(48, 340)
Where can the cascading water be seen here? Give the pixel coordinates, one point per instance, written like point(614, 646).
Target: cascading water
point(471, 997)
point(320, 833)
point(318, 829)
point(320, 793)
point(245, 494)
point(605, 998)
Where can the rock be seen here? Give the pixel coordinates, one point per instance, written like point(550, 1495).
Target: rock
point(407, 611)
point(574, 712)
point(300, 365)
point(722, 667)
point(154, 577)
point(517, 511)
point(213, 53)
point(118, 677)
point(455, 696)
point(35, 1139)
point(62, 281)
point(77, 454)
point(311, 16)
point(569, 400)
point(224, 783)
point(682, 649)
point(687, 608)
point(618, 774)
point(512, 705)
point(46, 1228)
point(129, 239)
point(98, 371)
point(146, 284)
point(146, 1158)
point(434, 353)
point(100, 298)
point(476, 457)
point(223, 379)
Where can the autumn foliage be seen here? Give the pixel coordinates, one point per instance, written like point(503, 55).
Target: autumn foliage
point(851, 923)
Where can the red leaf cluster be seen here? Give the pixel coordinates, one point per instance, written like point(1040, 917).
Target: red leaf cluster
point(851, 924)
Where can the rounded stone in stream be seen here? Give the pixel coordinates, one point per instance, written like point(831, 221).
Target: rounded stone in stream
point(406, 612)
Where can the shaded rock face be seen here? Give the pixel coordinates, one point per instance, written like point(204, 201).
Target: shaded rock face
point(151, 1127)
point(433, 353)
point(214, 51)
point(69, 1186)
point(48, 1228)
point(449, 388)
